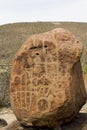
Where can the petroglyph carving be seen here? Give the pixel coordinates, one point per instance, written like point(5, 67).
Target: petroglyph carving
point(42, 79)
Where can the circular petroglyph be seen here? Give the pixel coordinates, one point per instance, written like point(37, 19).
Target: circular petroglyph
point(43, 104)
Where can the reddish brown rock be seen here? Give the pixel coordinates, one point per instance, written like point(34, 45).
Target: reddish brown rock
point(47, 87)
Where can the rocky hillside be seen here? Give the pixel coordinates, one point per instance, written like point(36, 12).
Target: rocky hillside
point(12, 36)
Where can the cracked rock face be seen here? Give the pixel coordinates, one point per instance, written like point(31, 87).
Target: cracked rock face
point(46, 86)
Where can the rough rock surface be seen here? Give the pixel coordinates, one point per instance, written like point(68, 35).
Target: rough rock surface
point(47, 87)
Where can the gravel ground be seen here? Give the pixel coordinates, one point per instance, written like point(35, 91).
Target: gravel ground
point(7, 114)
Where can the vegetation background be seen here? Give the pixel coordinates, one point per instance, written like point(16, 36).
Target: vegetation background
point(12, 36)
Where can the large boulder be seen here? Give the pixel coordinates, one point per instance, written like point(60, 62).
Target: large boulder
point(46, 87)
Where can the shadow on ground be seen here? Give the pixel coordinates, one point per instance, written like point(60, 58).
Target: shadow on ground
point(79, 123)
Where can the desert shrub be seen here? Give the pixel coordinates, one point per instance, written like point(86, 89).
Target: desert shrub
point(4, 86)
point(84, 68)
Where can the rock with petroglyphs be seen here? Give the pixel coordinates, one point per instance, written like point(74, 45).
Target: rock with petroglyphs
point(46, 87)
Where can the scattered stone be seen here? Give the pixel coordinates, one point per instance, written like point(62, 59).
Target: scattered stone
point(47, 87)
point(15, 125)
point(3, 123)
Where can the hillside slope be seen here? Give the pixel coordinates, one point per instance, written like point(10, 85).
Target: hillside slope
point(12, 36)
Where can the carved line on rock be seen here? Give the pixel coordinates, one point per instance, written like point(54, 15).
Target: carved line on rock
point(31, 78)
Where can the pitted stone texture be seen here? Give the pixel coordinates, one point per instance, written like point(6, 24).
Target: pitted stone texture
point(47, 87)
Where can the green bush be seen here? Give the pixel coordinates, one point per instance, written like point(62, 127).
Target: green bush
point(84, 68)
point(4, 86)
